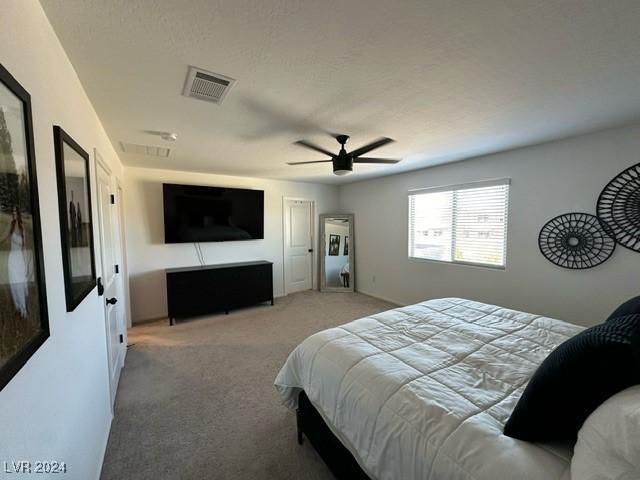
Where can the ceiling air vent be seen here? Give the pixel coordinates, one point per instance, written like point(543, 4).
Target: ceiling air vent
point(206, 85)
point(145, 149)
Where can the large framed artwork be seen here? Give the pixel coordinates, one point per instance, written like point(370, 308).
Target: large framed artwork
point(76, 225)
point(24, 323)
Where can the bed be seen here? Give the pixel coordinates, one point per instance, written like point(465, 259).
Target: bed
point(423, 391)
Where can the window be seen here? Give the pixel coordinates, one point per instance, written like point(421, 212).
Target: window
point(460, 223)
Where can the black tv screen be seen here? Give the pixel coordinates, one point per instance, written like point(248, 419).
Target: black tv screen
point(212, 214)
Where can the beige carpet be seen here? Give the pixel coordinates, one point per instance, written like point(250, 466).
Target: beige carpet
point(196, 400)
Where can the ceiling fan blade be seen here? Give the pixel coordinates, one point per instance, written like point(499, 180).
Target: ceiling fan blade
point(370, 146)
point(305, 163)
point(374, 160)
point(306, 144)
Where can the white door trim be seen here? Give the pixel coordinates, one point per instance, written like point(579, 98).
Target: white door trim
point(284, 240)
point(103, 164)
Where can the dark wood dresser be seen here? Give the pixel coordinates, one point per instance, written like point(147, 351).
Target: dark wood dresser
point(193, 291)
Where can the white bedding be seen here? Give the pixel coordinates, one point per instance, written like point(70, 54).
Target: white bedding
point(423, 391)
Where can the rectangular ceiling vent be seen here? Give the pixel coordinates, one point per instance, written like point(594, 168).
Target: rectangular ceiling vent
point(205, 85)
point(150, 150)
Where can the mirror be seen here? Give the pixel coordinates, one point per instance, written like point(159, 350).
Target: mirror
point(337, 272)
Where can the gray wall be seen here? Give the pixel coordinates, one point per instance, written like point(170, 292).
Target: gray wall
point(547, 180)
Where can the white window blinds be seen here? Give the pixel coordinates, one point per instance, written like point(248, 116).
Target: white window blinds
point(461, 223)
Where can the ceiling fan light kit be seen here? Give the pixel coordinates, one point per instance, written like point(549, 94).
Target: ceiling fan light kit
point(343, 161)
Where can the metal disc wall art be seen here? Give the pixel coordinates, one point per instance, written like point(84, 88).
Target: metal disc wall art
point(619, 207)
point(576, 241)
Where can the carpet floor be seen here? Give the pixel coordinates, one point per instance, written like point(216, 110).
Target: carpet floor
point(196, 400)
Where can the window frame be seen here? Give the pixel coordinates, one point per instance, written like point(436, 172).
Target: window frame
point(461, 186)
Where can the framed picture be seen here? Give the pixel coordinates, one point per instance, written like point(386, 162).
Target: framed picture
point(334, 245)
point(24, 321)
point(346, 245)
point(76, 225)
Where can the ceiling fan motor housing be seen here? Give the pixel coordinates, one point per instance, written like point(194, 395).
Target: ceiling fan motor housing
point(342, 164)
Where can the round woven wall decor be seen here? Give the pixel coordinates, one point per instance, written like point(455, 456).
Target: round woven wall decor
point(619, 207)
point(576, 241)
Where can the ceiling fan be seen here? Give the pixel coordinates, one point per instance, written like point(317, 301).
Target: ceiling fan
point(343, 161)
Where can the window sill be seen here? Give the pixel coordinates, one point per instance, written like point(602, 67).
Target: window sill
point(464, 264)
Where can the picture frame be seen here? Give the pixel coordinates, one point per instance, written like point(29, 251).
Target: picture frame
point(24, 319)
point(334, 245)
point(76, 221)
point(346, 245)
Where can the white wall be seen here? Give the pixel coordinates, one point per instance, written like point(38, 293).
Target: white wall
point(57, 406)
point(547, 180)
point(148, 255)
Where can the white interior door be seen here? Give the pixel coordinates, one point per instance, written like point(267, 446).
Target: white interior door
point(110, 280)
point(298, 245)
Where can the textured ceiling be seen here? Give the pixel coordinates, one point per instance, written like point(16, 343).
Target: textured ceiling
point(448, 79)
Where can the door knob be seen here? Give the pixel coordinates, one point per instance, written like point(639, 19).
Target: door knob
point(310, 250)
point(112, 301)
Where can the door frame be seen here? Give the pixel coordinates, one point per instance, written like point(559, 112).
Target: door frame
point(312, 224)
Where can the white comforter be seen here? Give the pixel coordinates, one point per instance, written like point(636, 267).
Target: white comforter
point(423, 392)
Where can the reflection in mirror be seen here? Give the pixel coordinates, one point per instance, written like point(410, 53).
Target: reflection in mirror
point(337, 238)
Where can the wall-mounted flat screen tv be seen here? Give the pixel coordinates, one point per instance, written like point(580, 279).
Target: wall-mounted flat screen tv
point(195, 213)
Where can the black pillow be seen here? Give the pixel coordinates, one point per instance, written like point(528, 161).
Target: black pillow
point(627, 308)
point(575, 379)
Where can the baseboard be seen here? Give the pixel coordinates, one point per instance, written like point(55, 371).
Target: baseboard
point(149, 320)
point(380, 297)
point(104, 446)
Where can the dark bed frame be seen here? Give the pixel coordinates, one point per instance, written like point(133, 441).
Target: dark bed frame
point(337, 457)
